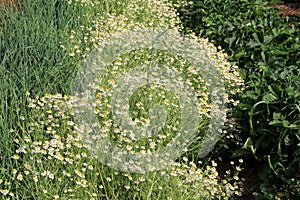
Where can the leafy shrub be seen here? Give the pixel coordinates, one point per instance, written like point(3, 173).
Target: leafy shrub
point(266, 48)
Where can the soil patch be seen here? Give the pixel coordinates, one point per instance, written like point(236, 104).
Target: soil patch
point(289, 9)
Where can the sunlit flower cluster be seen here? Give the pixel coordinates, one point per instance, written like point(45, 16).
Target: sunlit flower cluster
point(110, 103)
point(185, 179)
point(190, 178)
point(136, 14)
point(56, 155)
point(52, 151)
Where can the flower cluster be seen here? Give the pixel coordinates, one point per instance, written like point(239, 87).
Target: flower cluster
point(56, 157)
point(53, 160)
point(52, 151)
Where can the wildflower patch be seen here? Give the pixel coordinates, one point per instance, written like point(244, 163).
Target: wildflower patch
point(154, 73)
point(144, 95)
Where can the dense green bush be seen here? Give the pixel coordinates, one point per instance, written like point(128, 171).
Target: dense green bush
point(266, 47)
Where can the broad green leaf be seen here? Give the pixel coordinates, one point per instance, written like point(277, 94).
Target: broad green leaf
point(269, 98)
point(267, 39)
point(276, 115)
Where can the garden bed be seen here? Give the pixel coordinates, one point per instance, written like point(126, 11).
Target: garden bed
point(47, 44)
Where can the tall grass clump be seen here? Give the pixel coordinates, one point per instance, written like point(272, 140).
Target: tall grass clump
point(266, 48)
point(43, 151)
point(32, 60)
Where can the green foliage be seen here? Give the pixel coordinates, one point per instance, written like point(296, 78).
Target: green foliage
point(266, 48)
point(32, 60)
point(41, 154)
point(28, 39)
